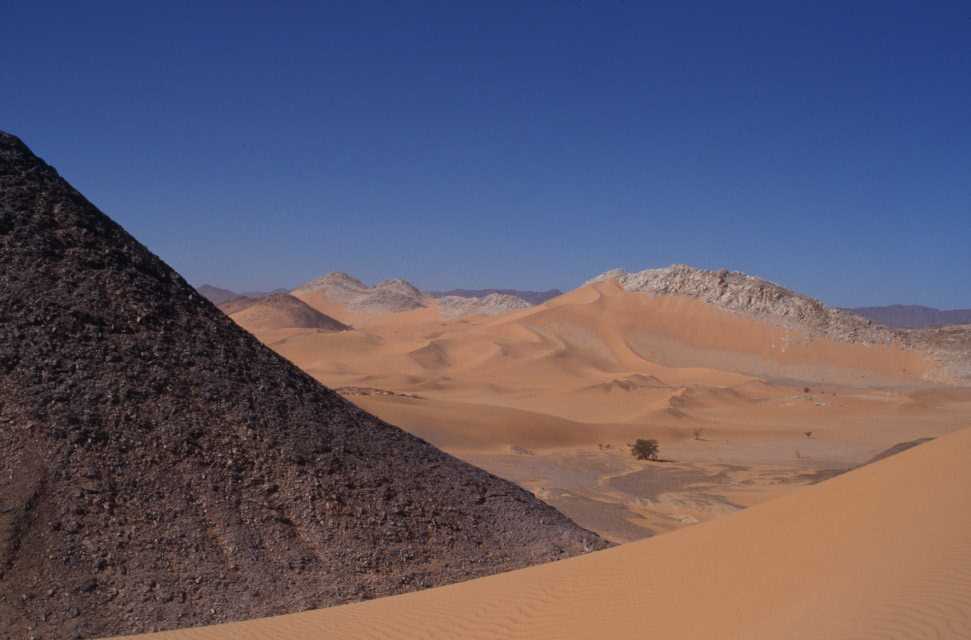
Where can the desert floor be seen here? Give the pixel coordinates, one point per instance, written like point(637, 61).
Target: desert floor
point(550, 397)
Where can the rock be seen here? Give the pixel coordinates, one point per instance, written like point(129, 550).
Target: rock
point(390, 296)
point(758, 298)
point(203, 417)
point(490, 305)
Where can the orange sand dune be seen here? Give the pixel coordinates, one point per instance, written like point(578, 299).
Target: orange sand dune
point(881, 552)
point(598, 334)
point(681, 332)
point(747, 409)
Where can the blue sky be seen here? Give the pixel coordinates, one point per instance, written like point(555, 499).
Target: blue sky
point(826, 146)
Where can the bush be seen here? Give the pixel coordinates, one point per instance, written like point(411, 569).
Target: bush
point(645, 449)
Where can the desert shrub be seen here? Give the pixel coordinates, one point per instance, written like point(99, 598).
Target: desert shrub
point(698, 433)
point(645, 449)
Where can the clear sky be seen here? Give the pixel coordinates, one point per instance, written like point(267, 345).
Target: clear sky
point(823, 145)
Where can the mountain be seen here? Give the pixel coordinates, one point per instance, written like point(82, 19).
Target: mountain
point(940, 354)
point(219, 296)
point(281, 311)
point(351, 295)
point(161, 468)
point(532, 297)
point(216, 295)
point(740, 292)
point(906, 316)
point(488, 305)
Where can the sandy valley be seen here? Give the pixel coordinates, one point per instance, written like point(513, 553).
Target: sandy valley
point(745, 408)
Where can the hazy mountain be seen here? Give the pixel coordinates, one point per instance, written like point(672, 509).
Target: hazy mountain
point(217, 295)
point(909, 316)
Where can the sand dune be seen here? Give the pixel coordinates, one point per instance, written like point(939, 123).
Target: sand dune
point(601, 332)
point(881, 552)
point(750, 409)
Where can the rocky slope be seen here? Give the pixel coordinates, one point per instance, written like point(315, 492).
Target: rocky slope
point(739, 292)
point(489, 305)
point(532, 297)
point(742, 293)
point(389, 296)
point(160, 468)
point(949, 345)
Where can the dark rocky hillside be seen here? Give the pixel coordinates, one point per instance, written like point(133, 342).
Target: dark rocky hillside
point(160, 468)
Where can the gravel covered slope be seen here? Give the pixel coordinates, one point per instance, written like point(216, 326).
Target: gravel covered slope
point(160, 468)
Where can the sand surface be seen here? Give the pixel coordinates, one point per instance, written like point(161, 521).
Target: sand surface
point(775, 525)
point(883, 551)
point(549, 397)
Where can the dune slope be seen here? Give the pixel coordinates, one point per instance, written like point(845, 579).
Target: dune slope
point(881, 552)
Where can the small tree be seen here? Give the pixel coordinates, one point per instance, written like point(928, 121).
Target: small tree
point(643, 449)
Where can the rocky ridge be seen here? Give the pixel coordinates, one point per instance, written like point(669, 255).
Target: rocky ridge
point(161, 468)
point(738, 292)
point(392, 296)
point(489, 305)
point(742, 293)
point(532, 297)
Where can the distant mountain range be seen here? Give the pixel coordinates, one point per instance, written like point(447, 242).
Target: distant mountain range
point(909, 316)
point(399, 294)
point(896, 316)
point(532, 297)
point(218, 295)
